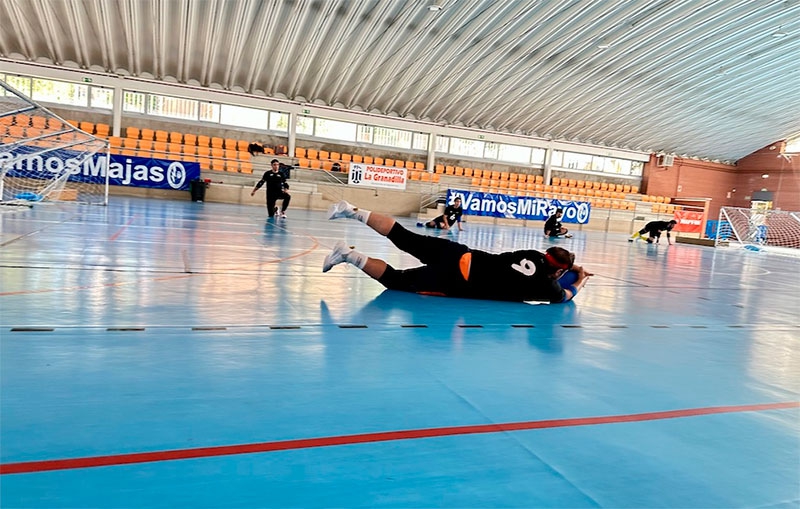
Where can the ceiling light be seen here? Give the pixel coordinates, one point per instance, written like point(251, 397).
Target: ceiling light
point(603, 44)
point(765, 176)
point(434, 8)
point(779, 33)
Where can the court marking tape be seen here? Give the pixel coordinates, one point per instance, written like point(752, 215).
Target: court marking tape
point(314, 246)
point(122, 229)
point(385, 436)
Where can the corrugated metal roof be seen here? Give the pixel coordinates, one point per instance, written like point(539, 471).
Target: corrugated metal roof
point(710, 79)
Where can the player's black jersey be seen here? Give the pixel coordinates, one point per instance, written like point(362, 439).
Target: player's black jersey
point(453, 214)
point(654, 228)
point(515, 276)
point(659, 226)
point(552, 223)
point(275, 181)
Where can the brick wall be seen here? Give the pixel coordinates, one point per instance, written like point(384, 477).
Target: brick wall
point(688, 178)
point(729, 185)
point(783, 180)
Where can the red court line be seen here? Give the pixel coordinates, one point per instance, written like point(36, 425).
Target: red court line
point(304, 443)
point(124, 227)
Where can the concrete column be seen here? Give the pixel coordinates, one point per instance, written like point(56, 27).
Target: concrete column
point(116, 112)
point(431, 152)
point(292, 133)
point(547, 158)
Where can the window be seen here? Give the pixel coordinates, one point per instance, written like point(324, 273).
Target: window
point(241, 116)
point(279, 121)
point(172, 107)
point(21, 83)
point(537, 155)
point(575, 161)
point(305, 125)
point(599, 163)
point(637, 168)
point(392, 137)
point(616, 166)
point(101, 98)
point(133, 102)
point(420, 141)
point(335, 129)
point(792, 146)
point(463, 147)
point(514, 153)
point(442, 144)
point(557, 159)
point(364, 134)
point(60, 92)
point(491, 150)
point(209, 112)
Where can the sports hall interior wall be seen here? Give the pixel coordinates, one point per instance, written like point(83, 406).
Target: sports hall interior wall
point(728, 185)
point(686, 178)
point(783, 177)
point(198, 128)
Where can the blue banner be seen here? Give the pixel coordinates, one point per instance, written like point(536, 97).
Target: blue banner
point(519, 207)
point(122, 170)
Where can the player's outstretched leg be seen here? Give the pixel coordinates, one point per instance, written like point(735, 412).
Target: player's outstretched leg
point(345, 210)
point(373, 267)
point(343, 253)
point(381, 223)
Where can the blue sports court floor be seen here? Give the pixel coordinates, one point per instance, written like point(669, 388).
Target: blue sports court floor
point(179, 354)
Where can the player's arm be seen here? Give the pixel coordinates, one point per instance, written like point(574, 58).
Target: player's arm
point(572, 290)
point(258, 185)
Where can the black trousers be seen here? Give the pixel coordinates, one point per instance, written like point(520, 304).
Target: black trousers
point(272, 198)
point(441, 272)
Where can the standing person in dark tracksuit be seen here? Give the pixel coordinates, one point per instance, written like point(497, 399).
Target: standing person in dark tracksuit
point(276, 189)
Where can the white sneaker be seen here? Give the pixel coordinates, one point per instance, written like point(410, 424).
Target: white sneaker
point(568, 235)
point(337, 256)
point(283, 215)
point(341, 210)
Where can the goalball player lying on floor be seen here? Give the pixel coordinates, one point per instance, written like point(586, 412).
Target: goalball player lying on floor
point(454, 270)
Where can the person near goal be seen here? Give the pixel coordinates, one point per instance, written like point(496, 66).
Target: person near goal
point(454, 270)
point(276, 189)
point(653, 229)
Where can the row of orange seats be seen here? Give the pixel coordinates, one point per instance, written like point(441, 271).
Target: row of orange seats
point(178, 148)
point(228, 162)
point(458, 171)
point(317, 164)
point(531, 186)
point(656, 199)
point(310, 154)
point(590, 184)
point(423, 176)
point(537, 179)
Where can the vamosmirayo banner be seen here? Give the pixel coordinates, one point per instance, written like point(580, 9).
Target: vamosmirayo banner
point(122, 170)
point(519, 207)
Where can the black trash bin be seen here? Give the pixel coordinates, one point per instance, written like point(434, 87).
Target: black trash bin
point(198, 190)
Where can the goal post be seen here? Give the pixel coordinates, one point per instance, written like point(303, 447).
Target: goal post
point(759, 228)
point(45, 158)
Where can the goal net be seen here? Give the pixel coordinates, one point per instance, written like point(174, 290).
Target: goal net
point(756, 229)
point(44, 158)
